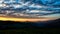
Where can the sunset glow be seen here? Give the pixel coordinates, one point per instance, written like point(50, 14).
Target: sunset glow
point(25, 19)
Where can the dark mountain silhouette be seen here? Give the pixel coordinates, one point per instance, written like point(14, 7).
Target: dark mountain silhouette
point(18, 25)
point(55, 23)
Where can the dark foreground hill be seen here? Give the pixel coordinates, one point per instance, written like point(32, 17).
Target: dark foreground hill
point(29, 27)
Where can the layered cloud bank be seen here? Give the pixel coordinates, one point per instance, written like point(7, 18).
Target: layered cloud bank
point(30, 8)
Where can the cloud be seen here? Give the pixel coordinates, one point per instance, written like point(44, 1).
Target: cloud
point(33, 7)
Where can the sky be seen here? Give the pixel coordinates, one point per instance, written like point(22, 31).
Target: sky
point(44, 8)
